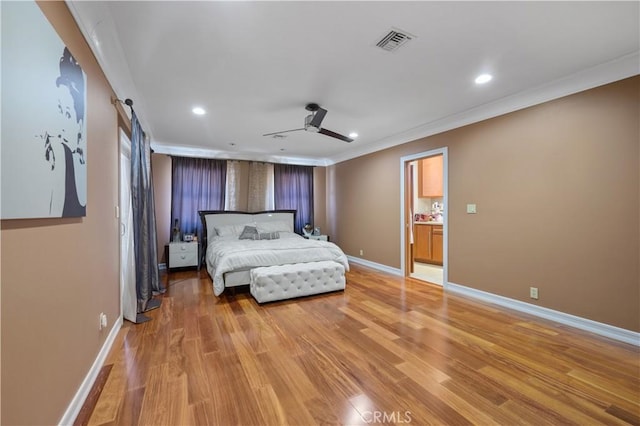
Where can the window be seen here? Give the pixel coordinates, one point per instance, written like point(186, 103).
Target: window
point(196, 184)
point(293, 190)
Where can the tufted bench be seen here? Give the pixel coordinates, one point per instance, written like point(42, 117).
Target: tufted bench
point(281, 282)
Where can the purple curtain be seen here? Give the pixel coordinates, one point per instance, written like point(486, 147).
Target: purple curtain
point(144, 222)
point(293, 189)
point(196, 184)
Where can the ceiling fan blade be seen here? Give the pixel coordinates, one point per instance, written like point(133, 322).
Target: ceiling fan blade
point(318, 117)
point(284, 131)
point(335, 135)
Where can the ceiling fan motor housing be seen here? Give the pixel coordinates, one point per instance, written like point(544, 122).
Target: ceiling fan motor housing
point(309, 125)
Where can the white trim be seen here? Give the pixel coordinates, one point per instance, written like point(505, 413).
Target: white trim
point(445, 200)
point(162, 266)
point(198, 152)
point(374, 265)
point(81, 395)
point(585, 324)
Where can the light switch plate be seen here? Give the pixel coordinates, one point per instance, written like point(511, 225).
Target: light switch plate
point(471, 208)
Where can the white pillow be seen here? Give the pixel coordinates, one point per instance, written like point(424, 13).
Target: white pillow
point(230, 230)
point(273, 226)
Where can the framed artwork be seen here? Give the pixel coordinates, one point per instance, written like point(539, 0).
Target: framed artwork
point(43, 125)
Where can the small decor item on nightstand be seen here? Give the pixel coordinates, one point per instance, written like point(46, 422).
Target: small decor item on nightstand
point(316, 231)
point(176, 232)
point(307, 230)
point(188, 237)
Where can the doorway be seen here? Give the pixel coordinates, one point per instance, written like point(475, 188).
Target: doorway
point(424, 218)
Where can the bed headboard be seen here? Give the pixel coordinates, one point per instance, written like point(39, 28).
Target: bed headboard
point(215, 218)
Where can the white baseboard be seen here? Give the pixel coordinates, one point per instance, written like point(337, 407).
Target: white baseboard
point(598, 328)
point(374, 265)
point(601, 329)
point(83, 392)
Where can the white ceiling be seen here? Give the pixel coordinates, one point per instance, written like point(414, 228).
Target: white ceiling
point(254, 65)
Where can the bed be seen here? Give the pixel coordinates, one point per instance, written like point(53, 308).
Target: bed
point(270, 255)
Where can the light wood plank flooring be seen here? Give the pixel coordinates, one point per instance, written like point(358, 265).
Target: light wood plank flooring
point(387, 350)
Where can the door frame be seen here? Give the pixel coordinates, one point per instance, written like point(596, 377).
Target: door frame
point(405, 221)
point(124, 149)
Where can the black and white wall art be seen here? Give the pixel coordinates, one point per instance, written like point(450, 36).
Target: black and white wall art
point(43, 125)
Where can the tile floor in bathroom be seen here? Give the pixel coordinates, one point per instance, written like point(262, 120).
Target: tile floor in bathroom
point(427, 272)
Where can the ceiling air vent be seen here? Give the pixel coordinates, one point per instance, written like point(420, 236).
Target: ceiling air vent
point(393, 40)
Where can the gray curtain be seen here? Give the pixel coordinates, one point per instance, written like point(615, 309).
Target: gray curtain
point(196, 184)
point(293, 189)
point(144, 221)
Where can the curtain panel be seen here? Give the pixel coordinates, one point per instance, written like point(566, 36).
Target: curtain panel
point(261, 187)
point(293, 189)
point(232, 193)
point(144, 220)
point(196, 184)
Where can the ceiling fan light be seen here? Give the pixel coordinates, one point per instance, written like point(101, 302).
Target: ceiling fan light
point(353, 135)
point(198, 111)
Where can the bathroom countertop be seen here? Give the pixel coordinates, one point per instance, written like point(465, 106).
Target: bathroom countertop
point(432, 222)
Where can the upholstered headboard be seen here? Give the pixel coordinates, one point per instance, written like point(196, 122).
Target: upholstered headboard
point(212, 219)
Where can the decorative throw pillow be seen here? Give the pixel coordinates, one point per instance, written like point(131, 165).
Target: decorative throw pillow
point(229, 230)
point(266, 236)
point(248, 233)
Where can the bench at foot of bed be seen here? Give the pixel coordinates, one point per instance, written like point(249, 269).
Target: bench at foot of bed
point(281, 282)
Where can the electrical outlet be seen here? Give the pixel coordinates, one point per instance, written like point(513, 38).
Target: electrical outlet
point(103, 321)
point(361, 252)
point(471, 209)
point(533, 292)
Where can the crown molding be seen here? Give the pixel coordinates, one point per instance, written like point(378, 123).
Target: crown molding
point(608, 72)
point(198, 152)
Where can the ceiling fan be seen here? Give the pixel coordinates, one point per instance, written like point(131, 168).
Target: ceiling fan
point(312, 124)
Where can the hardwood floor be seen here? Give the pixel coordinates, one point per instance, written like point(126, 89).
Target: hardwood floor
point(387, 350)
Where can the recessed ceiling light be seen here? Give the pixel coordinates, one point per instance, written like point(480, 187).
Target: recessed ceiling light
point(353, 135)
point(483, 78)
point(198, 111)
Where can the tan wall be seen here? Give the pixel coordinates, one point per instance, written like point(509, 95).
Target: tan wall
point(320, 199)
point(557, 190)
point(161, 172)
point(59, 274)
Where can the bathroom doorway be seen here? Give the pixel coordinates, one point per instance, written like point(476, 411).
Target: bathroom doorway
point(424, 216)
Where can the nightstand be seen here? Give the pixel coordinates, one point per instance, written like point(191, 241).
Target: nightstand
point(183, 254)
point(317, 237)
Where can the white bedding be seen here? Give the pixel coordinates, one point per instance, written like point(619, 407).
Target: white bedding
point(228, 253)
